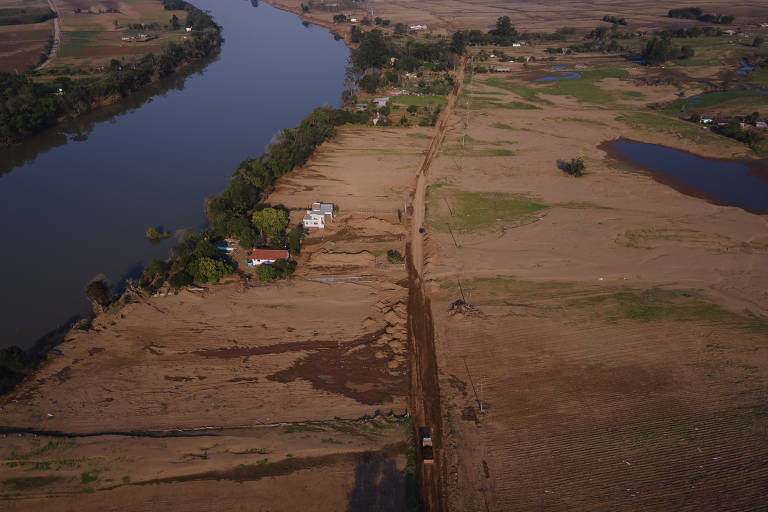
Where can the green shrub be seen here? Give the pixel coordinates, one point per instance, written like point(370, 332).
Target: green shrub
point(266, 273)
point(394, 256)
point(575, 167)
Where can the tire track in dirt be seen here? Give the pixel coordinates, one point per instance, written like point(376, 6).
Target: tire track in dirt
point(425, 387)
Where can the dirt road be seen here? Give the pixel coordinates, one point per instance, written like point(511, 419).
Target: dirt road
point(56, 35)
point(425, 387)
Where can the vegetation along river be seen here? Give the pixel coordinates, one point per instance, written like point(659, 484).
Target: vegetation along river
point(76, 201)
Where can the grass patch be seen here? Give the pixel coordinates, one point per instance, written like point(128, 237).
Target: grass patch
point(636, 238)
point(511, 105)
point(579, 120)
point(687, 63)
point(680, 129)
point(469, 152)
point(654, 305)
point(703, 102)
point(500, 289)
point(126, 480)
point(76, 41)
point(331, 440)
point(584, 88)
point(28, 483)
point(579, 205)
point(759, 78)
point(418, 136)
point(24, 16)
point(479, 211)
point(89, 477)
point(419, 101)
point(302, 427)
point(526, 93)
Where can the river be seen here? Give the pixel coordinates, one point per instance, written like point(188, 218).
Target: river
point(75, 201)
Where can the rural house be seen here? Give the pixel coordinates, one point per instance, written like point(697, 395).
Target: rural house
point(267, 256)
point(316, 217)
point(381, 102)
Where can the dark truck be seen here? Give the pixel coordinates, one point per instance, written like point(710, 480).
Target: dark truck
point(425, 441)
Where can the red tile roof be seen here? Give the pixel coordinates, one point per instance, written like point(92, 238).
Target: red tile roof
point(269, 254)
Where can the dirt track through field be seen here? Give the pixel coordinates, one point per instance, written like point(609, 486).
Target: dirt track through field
point(56, 35)
point(425, 386)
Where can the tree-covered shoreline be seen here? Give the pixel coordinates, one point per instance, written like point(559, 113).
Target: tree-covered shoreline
point(28, 107)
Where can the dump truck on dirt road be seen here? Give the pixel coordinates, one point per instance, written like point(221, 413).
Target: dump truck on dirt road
point(425, 441)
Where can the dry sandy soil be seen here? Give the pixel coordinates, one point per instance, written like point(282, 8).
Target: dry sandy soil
point(618, 347)
point(241, 381)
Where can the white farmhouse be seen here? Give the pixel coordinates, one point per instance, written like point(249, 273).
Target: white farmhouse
point(316, 217)
point(267, 256)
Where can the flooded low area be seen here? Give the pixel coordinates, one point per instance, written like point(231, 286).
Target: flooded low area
point(729, 182)
point(560, 75)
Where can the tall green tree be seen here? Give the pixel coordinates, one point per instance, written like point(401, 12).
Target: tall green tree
point(270, 221)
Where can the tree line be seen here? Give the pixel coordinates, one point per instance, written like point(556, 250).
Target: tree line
point(695, 13)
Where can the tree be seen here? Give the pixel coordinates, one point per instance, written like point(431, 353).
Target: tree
point(695, 118)
point(504, 28)
point(575, 167)
point(181, 278)
point(458, 42)
point(156, 234)
point(412, 109)
point(209, 270)
point(759, 40)
point(175, 22)
point(294, 241)
point(99, 293)
point(373, 51)
point(270, 221)
point(657, 51)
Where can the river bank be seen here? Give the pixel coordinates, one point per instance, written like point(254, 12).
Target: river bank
point(179, 154)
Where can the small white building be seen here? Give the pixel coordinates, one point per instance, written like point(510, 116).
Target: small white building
point(380, 103)
point(317, 216)
point(418, 27)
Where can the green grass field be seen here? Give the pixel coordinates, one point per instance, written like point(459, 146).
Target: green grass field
point(526, 93)
point(721, 99)
point(584, 88)
point(419, 101)
point(478, 211)
point(76, 42)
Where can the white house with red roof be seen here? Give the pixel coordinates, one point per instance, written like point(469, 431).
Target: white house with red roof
point(267, 256)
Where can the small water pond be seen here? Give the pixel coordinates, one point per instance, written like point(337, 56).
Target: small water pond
point(559, 66)
point(731, 182)
point(561, 75)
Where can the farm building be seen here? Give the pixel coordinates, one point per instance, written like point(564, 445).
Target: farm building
point(316, 217)
point(267, 256)
point(381, 102)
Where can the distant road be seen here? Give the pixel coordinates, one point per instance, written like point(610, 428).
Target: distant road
point(56, 35)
